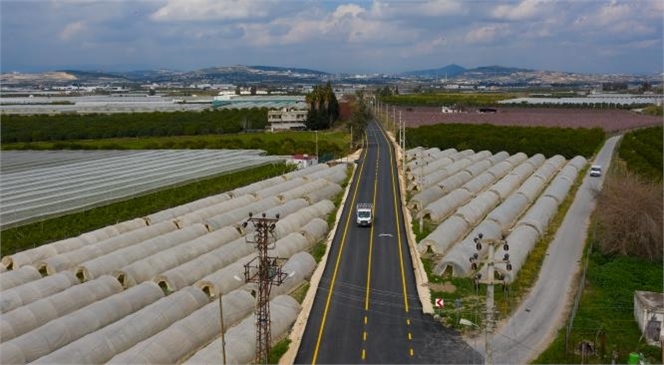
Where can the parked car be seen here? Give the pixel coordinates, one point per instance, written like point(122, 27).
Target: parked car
point(595, 170)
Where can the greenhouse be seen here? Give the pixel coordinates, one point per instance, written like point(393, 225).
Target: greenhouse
point(28, 317)
point(100, 346)
point(184, 337)
point(71, 327)
point(69, 260)
point(34, 290)
point(241, 339)
point(115, 260)
point(48, 191)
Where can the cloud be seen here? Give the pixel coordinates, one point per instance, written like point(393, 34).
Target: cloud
point(72, 29)
point(487, 34)
point(196, 10)
point(525, 10)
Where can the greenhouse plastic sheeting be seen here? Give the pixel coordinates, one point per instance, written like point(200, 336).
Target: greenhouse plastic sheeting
point(241, 339)
point(299, 268)
point(540, 214)
point(175, 343)
point(506, 213)
point(315, 230)
point(328, 192)
point(147, 268)
point(34, 255)
point(476, 209)
point(437, 176)
point(35, 290)
point(336, 174)
point(456, 181)
point(29, 196)
point(26, 318)
point(18, 277)
point(258, 185)
point(521, 242)
point(298, 219)
point(413, 152)
point(120, 258)
point(274, 190)
point(183, 209)
point(426, 197)
point(100, 346)
point(64, 330)
point(241, 213)
point(444, 236)
point(200, 215)
point(551, 167)
point(458, 258)
point(303, 190)
point(305, 171)
point(445, 206)
point(69, 260)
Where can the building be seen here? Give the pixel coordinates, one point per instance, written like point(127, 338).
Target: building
point(304, 161)
point(649, 315)
point(286, 119)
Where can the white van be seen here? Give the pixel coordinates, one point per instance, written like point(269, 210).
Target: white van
point(595, 170)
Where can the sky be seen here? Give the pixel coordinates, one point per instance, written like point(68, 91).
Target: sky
point(585, 36)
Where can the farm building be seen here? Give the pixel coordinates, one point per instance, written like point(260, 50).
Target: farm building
point(649, 315)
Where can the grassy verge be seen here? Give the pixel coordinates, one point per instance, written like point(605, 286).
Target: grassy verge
point(71, 225)
point(299, 293)
point(278, 350)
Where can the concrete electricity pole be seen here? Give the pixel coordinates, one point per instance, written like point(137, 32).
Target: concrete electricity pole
point(265, 271)
point(490, 280)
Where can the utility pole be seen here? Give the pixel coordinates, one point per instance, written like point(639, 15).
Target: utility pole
point(223, 330)
point(490, 310)
point(265, 271)
point(317, 159)
point(403, 142)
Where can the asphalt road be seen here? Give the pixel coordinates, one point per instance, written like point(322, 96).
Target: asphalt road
point(536, 322)
point(366, 308)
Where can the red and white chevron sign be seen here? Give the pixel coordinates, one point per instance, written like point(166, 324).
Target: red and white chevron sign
point(440, 302)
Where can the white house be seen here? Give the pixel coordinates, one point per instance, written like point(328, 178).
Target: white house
point(287, 119)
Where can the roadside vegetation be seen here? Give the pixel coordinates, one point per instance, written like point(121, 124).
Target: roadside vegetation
point(626, 252)
point(71, 225)
point(568, 142)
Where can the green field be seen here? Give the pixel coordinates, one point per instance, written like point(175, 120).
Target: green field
point(642, 151)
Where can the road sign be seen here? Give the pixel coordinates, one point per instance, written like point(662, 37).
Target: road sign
point(440, 302)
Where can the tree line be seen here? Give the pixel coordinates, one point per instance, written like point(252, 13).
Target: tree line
point(568, 142)
point(32, 128)
point(642, 151)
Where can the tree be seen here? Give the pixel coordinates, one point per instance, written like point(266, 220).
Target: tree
point(252, 90)
point(323, 107)
point(238, 91)
point(360, 117)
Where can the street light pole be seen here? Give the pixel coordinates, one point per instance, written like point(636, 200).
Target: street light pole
point(223, 331)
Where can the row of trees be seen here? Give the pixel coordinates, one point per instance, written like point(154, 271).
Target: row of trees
point(568, 142)
point(642, 151)
point(323, 107)
point(32, 128)
point(438, 99)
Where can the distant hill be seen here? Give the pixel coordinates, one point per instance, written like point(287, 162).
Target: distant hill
point(496, 70)
point(90, 75)
point(288, 69)
point(437, 73)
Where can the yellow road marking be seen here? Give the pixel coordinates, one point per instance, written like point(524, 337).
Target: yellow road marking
point(364, 354)
point(410, 336)
point(408, 322)
point(371, 234)
point(365, 319)
point(412, 353)
point(336, 266)
point(364, 336)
